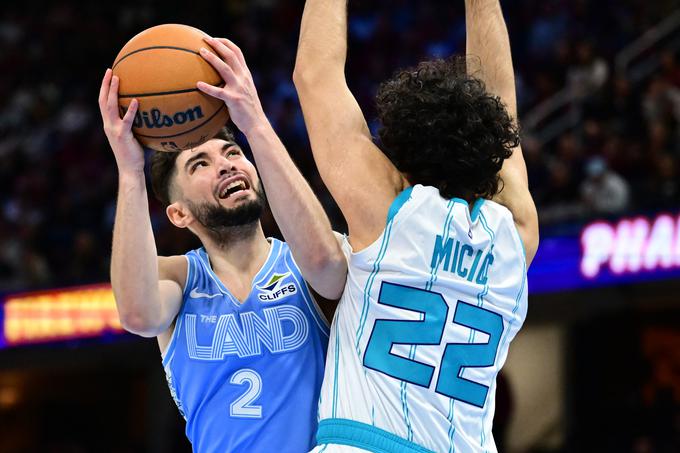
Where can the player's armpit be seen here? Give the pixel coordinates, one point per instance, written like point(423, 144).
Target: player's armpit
point(173, 268)
point(516, 197)
point(172, 274)
point(170, 294)
point(171, 300)
point(528, 228)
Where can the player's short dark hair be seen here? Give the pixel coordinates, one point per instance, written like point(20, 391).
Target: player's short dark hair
point(440, 127)
point(163, 168)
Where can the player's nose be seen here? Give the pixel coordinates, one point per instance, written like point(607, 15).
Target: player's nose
point(225, 166)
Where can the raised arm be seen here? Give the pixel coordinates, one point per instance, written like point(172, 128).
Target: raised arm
point(359, 176)
point(487, 38)
point(297, 211)
point(147, 289)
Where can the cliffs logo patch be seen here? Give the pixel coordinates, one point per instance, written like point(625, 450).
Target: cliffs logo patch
point(277, 288)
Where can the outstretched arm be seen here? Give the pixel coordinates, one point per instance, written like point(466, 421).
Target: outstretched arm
point(297, 211)
point(147, 289)
point(487, 38)
point(359, 176)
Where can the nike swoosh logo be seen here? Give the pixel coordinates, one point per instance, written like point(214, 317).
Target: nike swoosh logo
point(194, 294)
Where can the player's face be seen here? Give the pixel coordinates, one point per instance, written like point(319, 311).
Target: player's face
point(219, 184)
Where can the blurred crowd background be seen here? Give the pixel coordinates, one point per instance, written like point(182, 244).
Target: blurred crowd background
point(601, 137)
point(58, 178)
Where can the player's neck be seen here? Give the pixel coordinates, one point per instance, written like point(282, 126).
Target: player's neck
point(242, 254)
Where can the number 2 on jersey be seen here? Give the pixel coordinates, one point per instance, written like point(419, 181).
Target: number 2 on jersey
point(242, 407)
point(429, 331)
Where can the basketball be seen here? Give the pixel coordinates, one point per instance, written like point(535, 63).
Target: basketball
point(160, 67)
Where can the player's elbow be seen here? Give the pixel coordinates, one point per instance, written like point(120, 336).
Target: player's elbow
point(335, 262)
point(333, 273)
point(314, 78)
point(304, 76)
point(138, 323)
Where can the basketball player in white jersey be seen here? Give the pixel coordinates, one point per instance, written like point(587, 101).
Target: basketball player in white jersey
point(442, 228)
point(243, 342)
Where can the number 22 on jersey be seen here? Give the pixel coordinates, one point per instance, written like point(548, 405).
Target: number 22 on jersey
point(429, 330)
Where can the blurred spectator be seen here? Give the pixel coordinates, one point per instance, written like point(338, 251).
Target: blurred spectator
point(58, 178)
point(603, 191)
point(661, 100)
point(588, 74)
point(670, 69)
point(665, 186)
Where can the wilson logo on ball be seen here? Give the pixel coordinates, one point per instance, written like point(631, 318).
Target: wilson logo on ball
point(155, 119)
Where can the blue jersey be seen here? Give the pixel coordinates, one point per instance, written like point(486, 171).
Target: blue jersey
point(246, 376)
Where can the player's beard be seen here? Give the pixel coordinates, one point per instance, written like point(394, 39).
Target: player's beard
point(225, 225)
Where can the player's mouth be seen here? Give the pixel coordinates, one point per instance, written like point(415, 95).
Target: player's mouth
point(232, 186)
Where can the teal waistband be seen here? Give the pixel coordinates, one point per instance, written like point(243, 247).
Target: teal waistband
point(360, 435)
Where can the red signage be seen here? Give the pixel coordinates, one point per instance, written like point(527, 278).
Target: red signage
point(59, 315)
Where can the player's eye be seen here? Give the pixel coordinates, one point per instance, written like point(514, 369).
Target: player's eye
point(199, 163)
point(233, 152)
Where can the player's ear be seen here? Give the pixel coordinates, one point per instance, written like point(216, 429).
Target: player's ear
point(179, 215)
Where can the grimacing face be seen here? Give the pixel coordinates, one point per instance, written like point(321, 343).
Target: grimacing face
point(219, 185)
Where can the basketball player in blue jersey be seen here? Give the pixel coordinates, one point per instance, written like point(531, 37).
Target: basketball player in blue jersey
point(442, 228)
point(243, 340)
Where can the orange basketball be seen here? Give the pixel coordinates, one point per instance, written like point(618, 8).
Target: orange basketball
point(160, 67)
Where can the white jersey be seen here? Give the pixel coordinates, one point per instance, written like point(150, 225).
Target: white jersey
point(423, 328)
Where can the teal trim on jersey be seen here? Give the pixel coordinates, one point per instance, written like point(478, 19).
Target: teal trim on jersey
point(521, 290)
point(485, 291)
point(486, 227)
point(514, 312)
point(480, 303)
point(369, 284)
point(452, 427)
point(337, 365)
point(398, 202)
point(404, 407)
point(476, 209)
point(502, 342)
point(360, 435)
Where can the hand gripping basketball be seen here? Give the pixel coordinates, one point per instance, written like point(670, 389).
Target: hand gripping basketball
point(160, 67)
point(239, 92)
point(126, 148)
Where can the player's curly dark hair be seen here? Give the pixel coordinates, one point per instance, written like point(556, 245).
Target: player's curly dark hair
point(440, 127)
point(163, 168)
